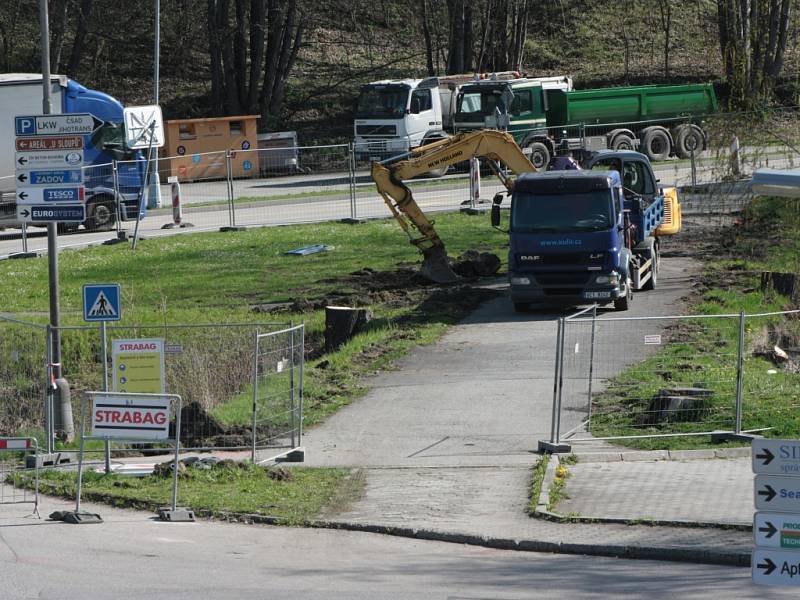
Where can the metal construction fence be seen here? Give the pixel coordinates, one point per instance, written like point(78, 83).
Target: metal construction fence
point(14, 471)
point(241, 384)
point(302, 184)
point(645, 377)
point(278, 388)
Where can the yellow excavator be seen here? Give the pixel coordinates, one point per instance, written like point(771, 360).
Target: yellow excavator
point(499, 148)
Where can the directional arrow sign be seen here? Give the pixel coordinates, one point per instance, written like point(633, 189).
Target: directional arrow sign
point(777, 530)
point(50, 177)
point(78, 123)
point(37, 195)
point(773, 493)
point(774, 567)
point(776, 457)
point(63, 142)
point(66, 213)
point(51, 159)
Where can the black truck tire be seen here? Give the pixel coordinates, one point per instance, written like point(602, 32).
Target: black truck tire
point(622, 141)
point(656, 143)
point(100, 214)
point(689, 138)
point(539, 155)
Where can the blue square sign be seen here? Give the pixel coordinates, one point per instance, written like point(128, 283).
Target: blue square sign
point(101, 302)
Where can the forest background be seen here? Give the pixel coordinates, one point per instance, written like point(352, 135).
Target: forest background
point(299, 64)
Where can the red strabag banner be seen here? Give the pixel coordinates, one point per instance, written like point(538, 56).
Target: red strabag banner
point(130, 417)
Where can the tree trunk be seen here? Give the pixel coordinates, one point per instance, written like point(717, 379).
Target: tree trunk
point(426, 31)
point(342, 323)
point(84, 12)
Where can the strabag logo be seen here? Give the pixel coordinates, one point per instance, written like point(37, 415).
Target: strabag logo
point(138, 346)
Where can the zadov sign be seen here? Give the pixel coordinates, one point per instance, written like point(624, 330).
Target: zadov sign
point(123, 416)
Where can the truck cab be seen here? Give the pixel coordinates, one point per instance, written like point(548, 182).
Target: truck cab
point(587, 236)
point(392, 117)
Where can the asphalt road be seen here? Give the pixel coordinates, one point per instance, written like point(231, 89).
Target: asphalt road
point(130, 557)
point(307, 198)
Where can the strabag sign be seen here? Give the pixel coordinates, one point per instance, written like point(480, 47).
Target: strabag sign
point(118, 416)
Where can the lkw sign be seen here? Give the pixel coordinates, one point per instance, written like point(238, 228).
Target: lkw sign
point(123, 416)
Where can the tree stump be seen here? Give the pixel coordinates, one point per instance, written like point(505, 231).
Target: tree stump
point(783, 283)
point(342, 323)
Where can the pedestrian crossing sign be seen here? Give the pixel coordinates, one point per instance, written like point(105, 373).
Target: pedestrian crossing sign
point(101, 302)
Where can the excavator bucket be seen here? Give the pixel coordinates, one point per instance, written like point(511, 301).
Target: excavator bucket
point(435, 266)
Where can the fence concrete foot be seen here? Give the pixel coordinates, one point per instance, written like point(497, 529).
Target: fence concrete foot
point(729, 436)
point(548, 447)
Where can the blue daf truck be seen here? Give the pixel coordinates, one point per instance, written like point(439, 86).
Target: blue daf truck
point(21, 94)
point(588, 236)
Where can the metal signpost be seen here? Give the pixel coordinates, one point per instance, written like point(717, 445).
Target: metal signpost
point(101, 303)
point(776, 525)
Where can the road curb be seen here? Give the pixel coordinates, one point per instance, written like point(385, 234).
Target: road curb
point(691, 555)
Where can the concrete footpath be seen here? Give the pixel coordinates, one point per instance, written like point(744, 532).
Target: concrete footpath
point(447, 445)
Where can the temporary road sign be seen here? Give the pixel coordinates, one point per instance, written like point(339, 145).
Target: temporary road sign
point(776, 457)
point(776, 493)
point(49, 159)
point(777, 530)
point(50, 177)
point(51, 213)
point(118, 416)
point(144, 127)
point(775, 567)
point(101, 302)
point(78, 123)
point(37, 195)
point(64, 142)
point(138, 365)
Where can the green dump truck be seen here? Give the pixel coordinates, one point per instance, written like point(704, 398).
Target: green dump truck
point(657, 120)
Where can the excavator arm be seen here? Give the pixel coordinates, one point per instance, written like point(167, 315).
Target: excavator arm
point(496, 146)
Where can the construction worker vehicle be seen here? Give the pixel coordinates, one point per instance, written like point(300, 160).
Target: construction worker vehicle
point(575, 236)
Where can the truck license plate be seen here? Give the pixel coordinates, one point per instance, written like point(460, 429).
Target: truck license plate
point(593, 295)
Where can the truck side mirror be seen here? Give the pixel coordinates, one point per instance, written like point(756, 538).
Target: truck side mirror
point(495, 215)
point(498, 199)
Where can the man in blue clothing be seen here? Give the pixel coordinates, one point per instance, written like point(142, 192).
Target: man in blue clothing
point(563, 160)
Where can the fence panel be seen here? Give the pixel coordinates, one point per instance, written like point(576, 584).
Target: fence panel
point(648, 377)
point(23, 376)
point(769, 369)
point(210, 366)
point(292, 185)
point(278, 389)
point(14, 473)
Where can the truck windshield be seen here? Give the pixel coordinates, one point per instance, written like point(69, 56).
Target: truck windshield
point(562, 212)
point(476, 103)
point(382, 102)
point(110, 138)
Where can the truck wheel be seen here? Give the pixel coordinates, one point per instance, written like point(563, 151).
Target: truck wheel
point(656, 143)
point(622, 142)
point(624, 303)
point(689, 138)
point(653, 281)
point(539, 155)
point(101, 215)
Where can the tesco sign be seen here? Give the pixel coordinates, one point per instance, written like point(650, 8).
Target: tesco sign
point(130, 416)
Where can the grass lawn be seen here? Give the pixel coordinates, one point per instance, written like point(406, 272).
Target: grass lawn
point(239, 488)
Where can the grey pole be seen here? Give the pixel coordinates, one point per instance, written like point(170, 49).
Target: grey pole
point(62, 387)
point(155, 183)
point(739, 376)
point(104, 350)
point(255, 400)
